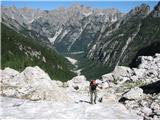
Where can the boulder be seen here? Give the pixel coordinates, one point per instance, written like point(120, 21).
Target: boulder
point(78, 82)
point(139, 73)
point(134, 93)
point(7, 74)
point(107, 77)
point(156, 107)
point(59, 83)
point(147, 111)
point(34, 84)
point(120, 72)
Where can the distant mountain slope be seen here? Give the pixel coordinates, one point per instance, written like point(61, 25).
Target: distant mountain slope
point(121, 43)
point(69, 29)
point(106, 37)
point(19, 51)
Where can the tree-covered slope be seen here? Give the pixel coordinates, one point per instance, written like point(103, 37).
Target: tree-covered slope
point(19, 51)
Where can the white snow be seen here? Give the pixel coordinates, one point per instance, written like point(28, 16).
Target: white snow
point(12, 108)
point(78, 52)
point(52, 40)
point(114, 19)
point(71, 60)
point(63, 35)
point(87, 14)
point(78, 72)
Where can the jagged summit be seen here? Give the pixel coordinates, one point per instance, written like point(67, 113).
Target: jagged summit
point(156, 11)
point(141, 10)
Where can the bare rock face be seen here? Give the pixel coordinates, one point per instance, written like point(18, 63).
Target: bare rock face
point(138, 88)
point(120, 72)
point(141, 10)
point(134, 93)
point(147, 72)
point(33, 83)
point(79, 83)
point(156, 12)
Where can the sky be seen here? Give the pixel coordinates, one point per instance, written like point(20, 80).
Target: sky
point(123, 6)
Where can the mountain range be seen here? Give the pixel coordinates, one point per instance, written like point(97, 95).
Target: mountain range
point(104, 38)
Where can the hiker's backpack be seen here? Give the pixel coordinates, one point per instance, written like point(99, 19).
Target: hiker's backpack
point(93, 84)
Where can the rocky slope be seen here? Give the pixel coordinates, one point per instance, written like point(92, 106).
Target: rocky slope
point(137, 33)
point(69, 29)
point(138, 88)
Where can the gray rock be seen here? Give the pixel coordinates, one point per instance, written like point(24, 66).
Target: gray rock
point(107, 77)
point(147, 111)
point(121, 71)
point(134, 93)
point(33, 84)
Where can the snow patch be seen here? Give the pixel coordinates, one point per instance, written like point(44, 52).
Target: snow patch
point(87, 14)
point(71, 60)
point(78, 52)
point(13, 108)
point(52, 40)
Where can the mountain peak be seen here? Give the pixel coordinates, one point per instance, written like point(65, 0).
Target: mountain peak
point(156, 11)
point(141, 10)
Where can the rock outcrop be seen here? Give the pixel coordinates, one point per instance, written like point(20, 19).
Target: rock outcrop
point(78, 83)
point(156, 12)
point(138, 88)
point(33, 83)
point(147, 72)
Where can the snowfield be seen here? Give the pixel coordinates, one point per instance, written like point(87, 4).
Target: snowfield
point(13, 108)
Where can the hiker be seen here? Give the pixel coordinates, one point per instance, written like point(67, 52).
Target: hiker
point(93, 90)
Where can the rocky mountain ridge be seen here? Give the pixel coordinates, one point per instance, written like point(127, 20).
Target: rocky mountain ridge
point(63, 27)
point(133, 35)
point(106, 37)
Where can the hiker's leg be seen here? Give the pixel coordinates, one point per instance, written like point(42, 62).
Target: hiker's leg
point(91, 97)
point(95, 96)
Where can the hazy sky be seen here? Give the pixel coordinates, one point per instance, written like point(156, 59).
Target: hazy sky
point(123, 6)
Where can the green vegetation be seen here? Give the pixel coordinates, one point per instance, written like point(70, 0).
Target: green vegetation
point(130, 85)
point(91, 69)
point(19, 51)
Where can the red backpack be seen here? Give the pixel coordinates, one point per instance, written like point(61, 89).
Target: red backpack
point(93, 82)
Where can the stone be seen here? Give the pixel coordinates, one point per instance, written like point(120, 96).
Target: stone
point(121, 71)
point(107, 77)
point(134, 93)
point(155, 117)
point(147, 111)
point(59, 83)
point(134, 78)
point(139, 73)
point(33, 84)
point(7, 74)
point(80, 82)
